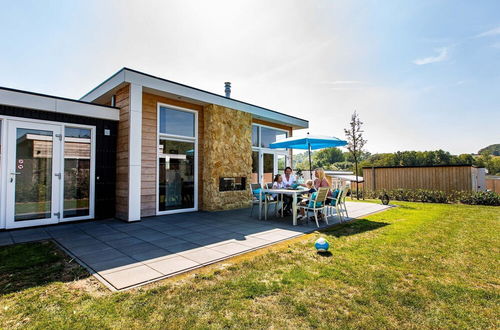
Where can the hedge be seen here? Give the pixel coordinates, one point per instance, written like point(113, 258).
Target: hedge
point(437, 196)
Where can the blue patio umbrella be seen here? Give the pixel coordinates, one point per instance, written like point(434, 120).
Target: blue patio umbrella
point(310, 142)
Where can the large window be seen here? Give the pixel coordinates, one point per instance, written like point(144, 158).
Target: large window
point(177, 179)
point(267, 162)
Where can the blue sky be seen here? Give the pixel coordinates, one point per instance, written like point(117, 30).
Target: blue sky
point(422, 74)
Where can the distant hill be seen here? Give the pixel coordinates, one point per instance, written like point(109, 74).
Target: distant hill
point(494, 149)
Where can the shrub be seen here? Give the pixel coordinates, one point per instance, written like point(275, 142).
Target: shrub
point(438, 196)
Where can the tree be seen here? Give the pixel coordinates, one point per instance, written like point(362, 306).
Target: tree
point(328, 156)
point(355, 143)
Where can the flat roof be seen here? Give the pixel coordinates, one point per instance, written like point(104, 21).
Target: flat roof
point(189, 93)
point(44, 102)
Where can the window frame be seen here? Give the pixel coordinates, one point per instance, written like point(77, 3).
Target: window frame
point(180, 138)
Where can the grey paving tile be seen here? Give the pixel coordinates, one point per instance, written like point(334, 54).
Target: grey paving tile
point(182, 247)
point(145, 255)
point(85, 249)
point(230, 248)
point(28, 232)
point(168, 242)
point(4, 241)
point(111, 237)
point(194, 237)
point(253, 242)
point(72, 242)
point(31, 237)
point(136, 248)
point(124, 242)
point(150, 236)
point(176, 232)
point(211, 240)
point(100, 256)
point(172, 265)
point(113, 265)
point(131, 276)
point(203, 255)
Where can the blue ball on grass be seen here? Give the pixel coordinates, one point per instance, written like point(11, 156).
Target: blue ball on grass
point(321, 244)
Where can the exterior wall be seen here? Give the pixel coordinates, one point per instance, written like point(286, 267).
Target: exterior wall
point(122, 153)
point(227, 147)
point(493, 184)
point(105, 152)
point(444, 178)
point(150, 145)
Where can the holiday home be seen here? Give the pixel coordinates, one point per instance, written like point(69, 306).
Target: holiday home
point(135, 146)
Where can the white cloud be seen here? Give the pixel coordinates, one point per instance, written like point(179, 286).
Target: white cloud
point(441, 56)
point(489, 33)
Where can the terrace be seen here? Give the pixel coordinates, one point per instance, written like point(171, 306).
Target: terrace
point(125, 255)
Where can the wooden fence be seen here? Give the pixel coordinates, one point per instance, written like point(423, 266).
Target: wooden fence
point(493, 185)
point(444, 178)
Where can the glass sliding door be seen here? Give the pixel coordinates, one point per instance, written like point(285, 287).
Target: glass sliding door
point(176, 175)
point(33, 183)
point(177, 160)
point(77, 172)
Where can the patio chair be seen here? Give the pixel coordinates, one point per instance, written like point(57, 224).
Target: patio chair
point(338, 203)
point(266, 198)
point(255, 196)
point(317, 205)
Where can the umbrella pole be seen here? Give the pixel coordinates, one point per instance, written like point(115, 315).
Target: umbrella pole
point(310, 164)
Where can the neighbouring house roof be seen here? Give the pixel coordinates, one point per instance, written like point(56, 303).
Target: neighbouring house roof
point(30, 100)
point(172, 89)
point(420, 166)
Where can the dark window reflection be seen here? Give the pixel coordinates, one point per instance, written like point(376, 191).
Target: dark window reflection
point(33, 189)
point(269, 135)
point(77, 153)
point(176, 175)
point(176, 122)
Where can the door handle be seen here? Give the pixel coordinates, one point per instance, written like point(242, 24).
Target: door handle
point(15, 173)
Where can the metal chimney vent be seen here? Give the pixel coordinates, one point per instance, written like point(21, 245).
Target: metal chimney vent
point(227, 89)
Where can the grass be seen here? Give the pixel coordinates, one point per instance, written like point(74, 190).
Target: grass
point(418, 265)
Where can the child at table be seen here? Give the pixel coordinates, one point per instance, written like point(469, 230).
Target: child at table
point(306, 197)
point(287, 200)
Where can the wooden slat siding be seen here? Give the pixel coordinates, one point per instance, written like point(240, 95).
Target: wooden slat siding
point(149, 149)
point(122, 153)
point(493, 185)
point(445, 178)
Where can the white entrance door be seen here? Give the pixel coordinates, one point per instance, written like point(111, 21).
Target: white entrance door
point(33, 174)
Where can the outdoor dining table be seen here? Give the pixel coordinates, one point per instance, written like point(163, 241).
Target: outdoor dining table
point(283, 191)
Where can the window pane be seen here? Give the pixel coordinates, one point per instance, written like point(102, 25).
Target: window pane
point(268, 168)
point(255, 167)
point(255, 136)
point(176, 175)
point(33, 190)
point(77, 153)
point(281, 163)
point(176, 122)
point(269, 135)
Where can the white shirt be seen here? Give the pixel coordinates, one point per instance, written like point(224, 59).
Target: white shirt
point(289, 182)
point(277, 185)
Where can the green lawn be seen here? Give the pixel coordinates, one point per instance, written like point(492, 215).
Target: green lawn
point(415, 266)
